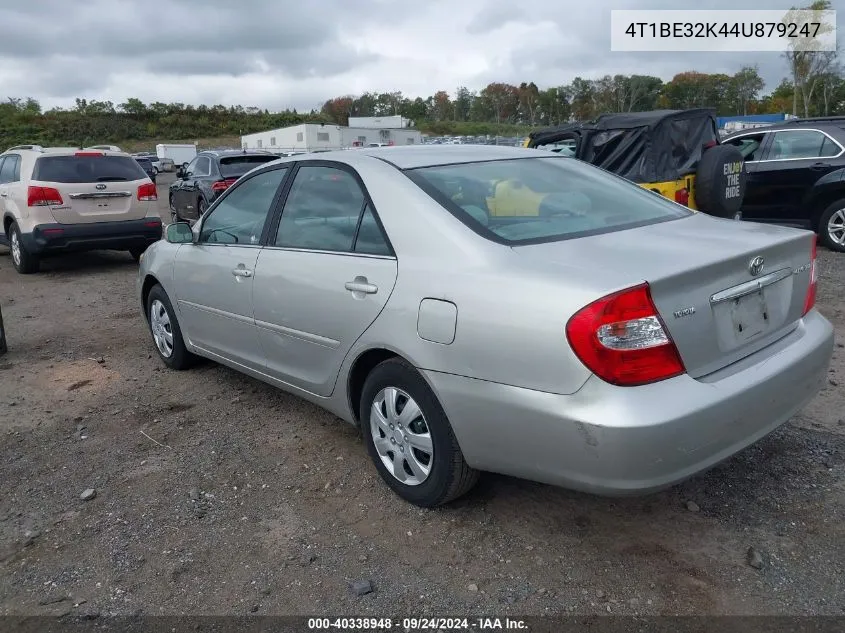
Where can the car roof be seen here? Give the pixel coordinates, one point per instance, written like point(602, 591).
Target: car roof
point(411, 157)
point(222, 153)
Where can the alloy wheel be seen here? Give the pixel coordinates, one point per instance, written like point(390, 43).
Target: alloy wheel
point(836, 227)
point(16, 248)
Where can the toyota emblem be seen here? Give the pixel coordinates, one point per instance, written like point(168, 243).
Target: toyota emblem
point(100, 187)
point(755, 266)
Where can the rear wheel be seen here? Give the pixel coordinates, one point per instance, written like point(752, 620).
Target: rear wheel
point(25, 262)
point(832, 227)
point(202, 205)
point(409, 437)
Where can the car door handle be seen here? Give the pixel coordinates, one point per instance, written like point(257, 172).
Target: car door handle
point(360, 285)
point(241, 272)
point(819, 166)
point(3, 194)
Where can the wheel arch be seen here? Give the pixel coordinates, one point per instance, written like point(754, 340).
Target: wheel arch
point(821, 201)
point(150, 281)
point(357, 376)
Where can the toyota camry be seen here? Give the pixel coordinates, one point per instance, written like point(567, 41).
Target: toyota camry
point(478, 308)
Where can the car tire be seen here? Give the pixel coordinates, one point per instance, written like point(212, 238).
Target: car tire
point(155, 171)
point(202, 206)
point(430, 460)
point(715, 178)
point(137, 252)
point(24, 262)
point(831, 227)
point(167, 335)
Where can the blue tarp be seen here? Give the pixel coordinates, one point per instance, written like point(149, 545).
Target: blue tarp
point(751, 118)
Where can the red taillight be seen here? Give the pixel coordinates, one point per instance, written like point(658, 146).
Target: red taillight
point(43, 197)
point(622, 340)
point(682, 197)
point(810, 301)
point(53, 232)
point(89, 154)
point(222, 185)
point(153, 223)
point(147, 192)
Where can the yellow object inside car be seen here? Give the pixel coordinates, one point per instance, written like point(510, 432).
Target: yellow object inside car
point(512, 198)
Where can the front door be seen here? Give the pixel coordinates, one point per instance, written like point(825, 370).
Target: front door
point(215, 276)
point(323, 278)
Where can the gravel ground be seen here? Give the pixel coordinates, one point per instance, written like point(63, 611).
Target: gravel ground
point(208, 492)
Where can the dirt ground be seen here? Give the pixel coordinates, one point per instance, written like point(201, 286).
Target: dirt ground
point(217, 494)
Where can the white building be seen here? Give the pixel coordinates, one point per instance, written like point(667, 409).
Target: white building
point(309, 137)
point(386, 122)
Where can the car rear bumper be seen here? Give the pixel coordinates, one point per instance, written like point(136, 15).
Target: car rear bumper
point(615, 440)
point(49, 238)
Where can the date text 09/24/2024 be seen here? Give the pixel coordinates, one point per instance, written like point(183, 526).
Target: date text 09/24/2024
point(416, 624)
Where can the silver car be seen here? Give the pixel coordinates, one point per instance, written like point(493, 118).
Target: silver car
point(478, 308)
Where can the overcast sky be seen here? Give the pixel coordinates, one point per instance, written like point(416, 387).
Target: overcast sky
point(297, 53)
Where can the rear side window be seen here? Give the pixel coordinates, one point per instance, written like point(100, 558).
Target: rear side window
point(542, 199)
point(79, 169)
point(237, 166)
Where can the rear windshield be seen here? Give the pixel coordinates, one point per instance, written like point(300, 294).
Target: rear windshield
point(542, 199)
point(237, 166)
point(79, 169)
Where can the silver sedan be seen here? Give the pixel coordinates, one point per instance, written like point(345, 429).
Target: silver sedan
point(478, 308)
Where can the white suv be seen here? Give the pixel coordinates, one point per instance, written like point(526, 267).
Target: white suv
point(60, 199)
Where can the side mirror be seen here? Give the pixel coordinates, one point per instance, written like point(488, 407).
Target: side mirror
point(179, 233)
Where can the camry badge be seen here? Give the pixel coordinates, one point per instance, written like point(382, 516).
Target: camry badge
point(755, 266)
point(100, 187)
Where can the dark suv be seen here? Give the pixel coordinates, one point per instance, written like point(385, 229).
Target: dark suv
point(796, 176)
point(207, 176)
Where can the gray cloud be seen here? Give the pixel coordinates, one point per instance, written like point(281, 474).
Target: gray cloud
point(278, 54)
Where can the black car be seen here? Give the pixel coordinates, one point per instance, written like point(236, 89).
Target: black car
point(147, 165)
point(796, 176)
point(208, 176)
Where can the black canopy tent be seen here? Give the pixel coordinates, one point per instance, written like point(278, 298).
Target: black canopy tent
point(654, 146)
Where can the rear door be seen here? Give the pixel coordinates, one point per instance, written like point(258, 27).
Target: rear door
point(94, 186)
point(214, 277)
point(323, 278)
point(794, 161)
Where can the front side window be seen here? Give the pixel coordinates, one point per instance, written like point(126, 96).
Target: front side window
point(321, 211)
point(203, 166)
point(240, 216)
point(542, 199)
point(749, 146)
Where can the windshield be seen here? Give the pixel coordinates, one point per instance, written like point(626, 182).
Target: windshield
point(79, 169)
point(542, 199)
point(237, 166)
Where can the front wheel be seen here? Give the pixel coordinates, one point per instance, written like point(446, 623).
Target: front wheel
point(167, 335)
point(832, 227)
point(409, 437)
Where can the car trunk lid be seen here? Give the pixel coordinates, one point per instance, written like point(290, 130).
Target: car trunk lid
point(724, 289)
